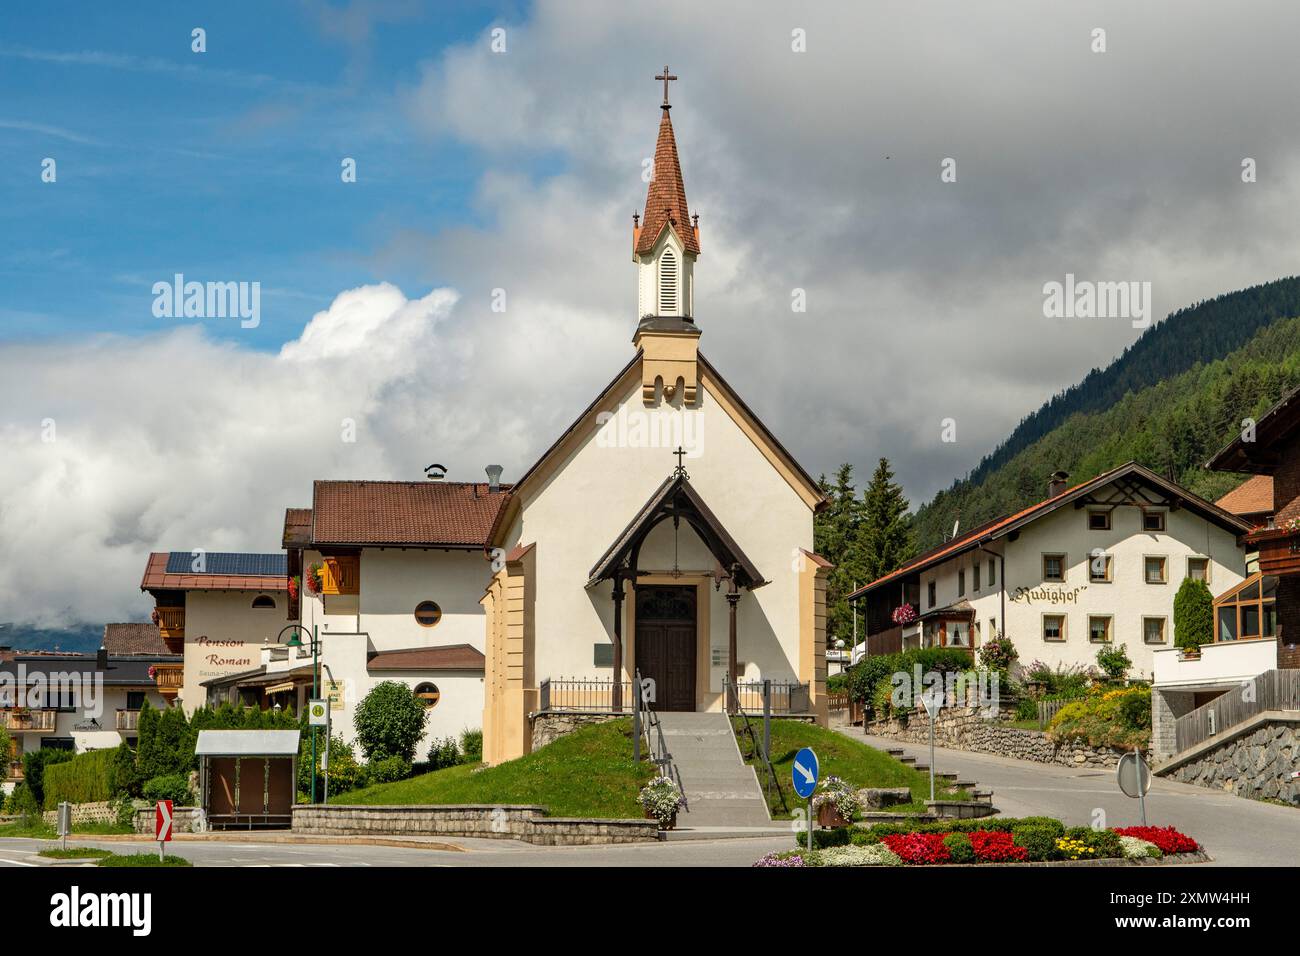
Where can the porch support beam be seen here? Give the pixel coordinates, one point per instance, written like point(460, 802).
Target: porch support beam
point(616, 698)
point(733, 597)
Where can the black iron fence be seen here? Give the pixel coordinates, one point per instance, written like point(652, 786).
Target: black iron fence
point(784, 697)
point(589, 696)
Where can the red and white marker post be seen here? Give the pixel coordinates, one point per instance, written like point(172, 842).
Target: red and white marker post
point(162, 825)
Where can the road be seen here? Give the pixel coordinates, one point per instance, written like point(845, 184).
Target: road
point(470, 852)
point(1235, 831)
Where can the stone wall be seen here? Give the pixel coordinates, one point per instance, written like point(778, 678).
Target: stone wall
point(99, 812)
point(527, 823)
point(184, 820)
point(1256, 763)
point(551, 726)
point(967, 728)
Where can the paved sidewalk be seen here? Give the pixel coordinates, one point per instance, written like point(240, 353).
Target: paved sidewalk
point(1235, 831)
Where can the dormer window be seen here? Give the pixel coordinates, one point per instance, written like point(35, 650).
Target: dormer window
point(668, 283)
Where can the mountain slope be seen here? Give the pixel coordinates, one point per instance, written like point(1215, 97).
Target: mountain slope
point(1171, 424)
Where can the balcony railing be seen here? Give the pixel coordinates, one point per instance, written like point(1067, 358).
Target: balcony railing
point(787, 697)
point(588, 696)
point(169, 677)
point(35, 720)
point(171, 623)
point(128, 720)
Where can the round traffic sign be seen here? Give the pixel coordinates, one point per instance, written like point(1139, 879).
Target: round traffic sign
point(1133, 774)
point(804, 772)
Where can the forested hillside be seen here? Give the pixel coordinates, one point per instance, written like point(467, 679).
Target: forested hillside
point(1172, 400)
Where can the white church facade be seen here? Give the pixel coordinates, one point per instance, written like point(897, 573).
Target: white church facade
point(615, 557)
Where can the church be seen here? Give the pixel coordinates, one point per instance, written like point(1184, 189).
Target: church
point(666, 533)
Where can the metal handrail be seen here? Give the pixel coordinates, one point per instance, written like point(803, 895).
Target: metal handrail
point(757, 750)
point(644, 720)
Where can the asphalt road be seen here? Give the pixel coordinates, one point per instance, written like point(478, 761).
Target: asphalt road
point(19, 853)
point(1235, 831)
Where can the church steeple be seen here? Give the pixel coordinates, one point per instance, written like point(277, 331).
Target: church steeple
point(665, 245)
point(666, 238)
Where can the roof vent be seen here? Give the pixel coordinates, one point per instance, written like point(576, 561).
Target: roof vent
point(494, 477)
point(436, 472)
point(1056, 483)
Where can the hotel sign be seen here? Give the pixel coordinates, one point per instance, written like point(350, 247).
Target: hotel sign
point(1046, 594)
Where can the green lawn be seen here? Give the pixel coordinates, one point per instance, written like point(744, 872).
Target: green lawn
point(837, 755)
point(75, 853)
point(142, 859)
point(41, 830)
point(588, 773)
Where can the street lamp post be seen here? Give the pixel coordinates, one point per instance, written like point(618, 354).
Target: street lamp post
point(296, 641)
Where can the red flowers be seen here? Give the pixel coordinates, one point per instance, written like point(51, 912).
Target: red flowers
point(995, 846)
point(1167, 839)
point(918, 847)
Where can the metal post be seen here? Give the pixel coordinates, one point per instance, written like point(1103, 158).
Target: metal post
point(315, 655)
point(1142, 800)
point(636, 718)
point(932, 758)
point(733, 596)
point(810, 825)
point(616, 695)
point(767, 719)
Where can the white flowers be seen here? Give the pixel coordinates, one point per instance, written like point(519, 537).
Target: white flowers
point(1135, 848)
point(661, 799)
point(839, 794)
point(877, 854)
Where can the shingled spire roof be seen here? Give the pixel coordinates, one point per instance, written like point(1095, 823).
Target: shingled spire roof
point(665, 200)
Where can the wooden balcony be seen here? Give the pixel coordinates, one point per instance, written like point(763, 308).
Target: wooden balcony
point(171, 627)
point(13, 719)
point(169, 678)
point(1279, 550)
point(128, 720)
point(341, 575)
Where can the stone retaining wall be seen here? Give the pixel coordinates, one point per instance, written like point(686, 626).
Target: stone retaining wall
point(527, 823)
point(966, 728)
point(1256, 763)
point(552, 725)
point(184, 820)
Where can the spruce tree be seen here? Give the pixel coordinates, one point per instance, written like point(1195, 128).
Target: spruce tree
point(885, 533)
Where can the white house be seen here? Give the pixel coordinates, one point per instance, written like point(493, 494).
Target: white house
point(1093, 565)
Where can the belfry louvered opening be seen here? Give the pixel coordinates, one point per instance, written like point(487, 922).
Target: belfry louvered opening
point(668, 283)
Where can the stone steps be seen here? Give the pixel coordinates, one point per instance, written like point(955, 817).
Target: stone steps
point(721, 790)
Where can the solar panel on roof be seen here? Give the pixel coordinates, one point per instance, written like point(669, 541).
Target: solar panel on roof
point(227, 562)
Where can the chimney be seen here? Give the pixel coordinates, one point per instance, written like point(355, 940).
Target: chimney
point(1056, 483)
point(494, 477)
point(101, 659)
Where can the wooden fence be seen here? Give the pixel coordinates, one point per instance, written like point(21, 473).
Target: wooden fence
point(1047, 709)
point(1271, 690)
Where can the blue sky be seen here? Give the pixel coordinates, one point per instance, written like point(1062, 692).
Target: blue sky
point(223, 165)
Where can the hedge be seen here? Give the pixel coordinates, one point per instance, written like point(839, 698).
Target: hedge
point(86, 778)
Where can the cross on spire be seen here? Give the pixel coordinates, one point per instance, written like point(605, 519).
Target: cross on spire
point(666, 77)
point(681, 468)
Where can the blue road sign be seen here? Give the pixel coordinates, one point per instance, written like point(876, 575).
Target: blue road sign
point(804, 772)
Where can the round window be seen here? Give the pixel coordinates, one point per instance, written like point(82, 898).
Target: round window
point(427, 614)
point(428, 694)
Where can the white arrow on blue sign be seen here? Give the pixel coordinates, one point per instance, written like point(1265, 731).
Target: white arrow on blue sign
point(804, 772)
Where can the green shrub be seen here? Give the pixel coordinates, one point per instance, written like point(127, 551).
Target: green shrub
point(388, 770)
point(344, 770)
point(865, 676)
point(1104, 842)
point(959, 848)
point(34, 764)
point(1027, 708)
point(1039, 841)
point(389, 721)
point(1111, 718)
point(1114, 661)
point(83, 779)
point(173, 787)
point(123, 775)
point(834, 836)
point(443, 753)
point(21, 802)
point(124, 811)
point(471, 746)
point(1193, 614)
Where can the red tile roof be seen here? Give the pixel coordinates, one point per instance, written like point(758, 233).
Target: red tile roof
point(1254, 496)
point(448, 513)
point(452, 657)
point(991, 529)
point(128, 640)
point(665, 200)
point(156, 577)
point(297, 528)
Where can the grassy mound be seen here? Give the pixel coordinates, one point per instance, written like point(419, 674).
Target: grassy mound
point(588, 773)
point(856, 763)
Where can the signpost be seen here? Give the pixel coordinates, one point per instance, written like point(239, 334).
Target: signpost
point(932, 701)
point(1134, 778)
point(804, 773)
point(162, 825)
point(65, 821)
point(318, 715)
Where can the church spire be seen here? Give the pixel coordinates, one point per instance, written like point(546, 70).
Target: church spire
point(665, 201)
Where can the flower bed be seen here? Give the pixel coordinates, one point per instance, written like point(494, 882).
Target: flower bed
point(985, 841)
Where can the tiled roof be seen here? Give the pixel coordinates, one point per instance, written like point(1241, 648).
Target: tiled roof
point(134, 639)
point(130, 671)
point(404, 512)
point(999, 526)
point(1252, 497)
point(297, 528)
point(452, 657)
point(157, 577)
point(665, 200)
